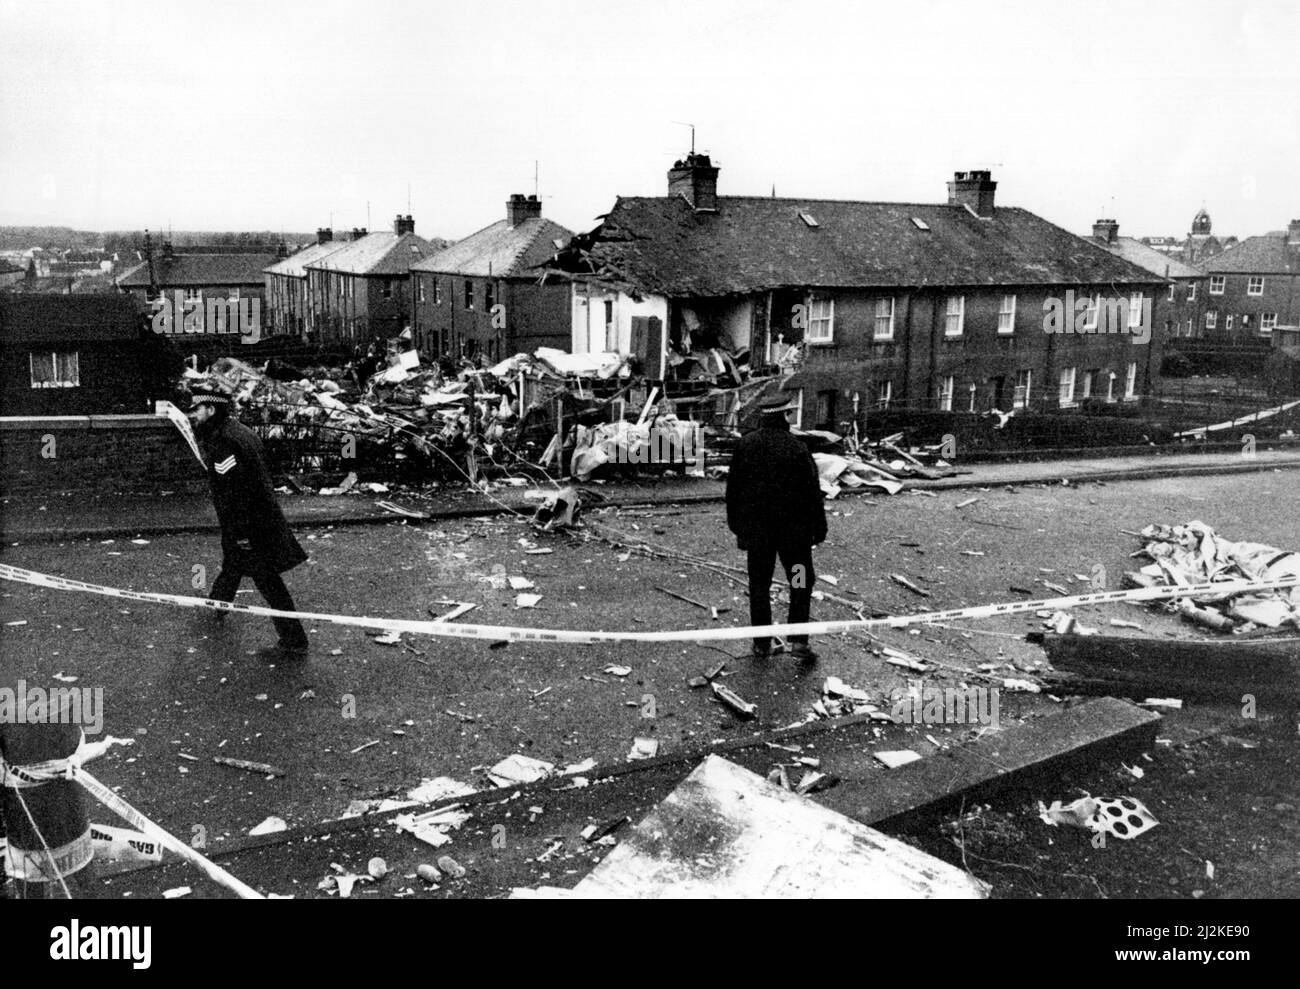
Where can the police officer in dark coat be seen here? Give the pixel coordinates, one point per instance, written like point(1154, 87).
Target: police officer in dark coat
point(774, 506)
point(256, 540)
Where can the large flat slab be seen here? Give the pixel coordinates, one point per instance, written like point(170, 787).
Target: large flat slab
point(1042, 747)
point(727, 833)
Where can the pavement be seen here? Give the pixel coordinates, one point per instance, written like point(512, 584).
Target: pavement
point(56, 518)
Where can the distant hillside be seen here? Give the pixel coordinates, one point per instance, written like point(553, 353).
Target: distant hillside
point(21, 238)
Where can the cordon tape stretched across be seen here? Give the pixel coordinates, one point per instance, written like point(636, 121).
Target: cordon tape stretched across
point(72, 768)
point(513, 633)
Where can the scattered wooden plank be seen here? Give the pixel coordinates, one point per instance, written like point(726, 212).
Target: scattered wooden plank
point(1267, 666)
point(899, 579)
point(263, 768)
point(682, 597)
point(726, 833)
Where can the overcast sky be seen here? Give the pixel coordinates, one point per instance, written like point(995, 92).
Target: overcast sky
point(252, 115)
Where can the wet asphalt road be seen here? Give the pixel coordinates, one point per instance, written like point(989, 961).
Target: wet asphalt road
point(181, 687)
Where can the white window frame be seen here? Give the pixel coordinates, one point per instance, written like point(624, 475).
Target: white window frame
point(1255, 285)
point(886, 317)
point(1130, 382)
point(1007, 317)
point(1092, 314)
point(1019, 400)
point(798, 411)
point(885, 393)
point(1065, 393)
point(1267, 322)
point(947, 384)
point(1211, 319)
point(1228, 321)
point(1191, 291)
point(1190, 328)
point(72, 380)
point(1217, 284)
point(419, 285)
point(194, 295)
point(1110, 385)
point(821, 312)
point(959, 315)
point(1172, 287)
point(973, 390)
point(1134, 310)
point(1085, 385)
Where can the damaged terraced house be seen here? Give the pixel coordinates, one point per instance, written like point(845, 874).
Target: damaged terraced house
point(862, 305)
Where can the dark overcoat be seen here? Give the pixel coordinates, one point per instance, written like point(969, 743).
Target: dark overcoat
point(245, 500)
point(773, 496)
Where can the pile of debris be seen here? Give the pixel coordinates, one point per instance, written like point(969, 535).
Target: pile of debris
point(1195, 554)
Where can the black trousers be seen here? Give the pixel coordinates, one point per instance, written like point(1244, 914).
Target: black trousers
point(271, 586)
point(797, 561)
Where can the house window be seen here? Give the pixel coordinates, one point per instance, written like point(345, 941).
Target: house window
point(1256, 285)
point(1189, 327)
point(386, 288)
point(821, 320)
point(611, 332)
point(437, 292)
point(972, 390)
point(884, 394)
point(234, 294)
point(945, 393)
point(1171, 292)
point(1085, 384)
point(1135, 310)
point(1024, 380)
point(1227, 322)
point(54, 369)
point(469, 294)
point(1191, 292)
point(885, 318)
point(419, 288)
point(1110, 386)
point(956, 316)
point(1130, 381)
point(489, 296)
point(1066, 396)
point(826, 409)
point(1267, 322)
point(194, 295)
point(1092, 313)
point(1211, 319)
point(798, 411)
point(1007, 315)
point(1216, 284)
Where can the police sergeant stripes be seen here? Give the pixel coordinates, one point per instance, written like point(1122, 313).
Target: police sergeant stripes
point(513, 633)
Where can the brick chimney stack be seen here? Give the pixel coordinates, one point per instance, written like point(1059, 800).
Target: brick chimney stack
point(973, 189)
point(403, 224)
point(519, 209)
point(1106, 231)
point(324, 235)
point(358, 233)
point(696, 180)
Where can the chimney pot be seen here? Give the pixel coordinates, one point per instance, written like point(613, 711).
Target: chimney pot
point(324, 235)
point(1106, 231)
point(974, 189)
point(696, 180)
point(519, 209)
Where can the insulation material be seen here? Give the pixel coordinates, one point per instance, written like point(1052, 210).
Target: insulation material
point(1121, 817)
point(835, 473)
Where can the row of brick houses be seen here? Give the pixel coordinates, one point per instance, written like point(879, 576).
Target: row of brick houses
point(938, 306)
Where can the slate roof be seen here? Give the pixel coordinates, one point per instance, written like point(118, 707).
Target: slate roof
point(295, 266)
point(1132, 249)
point(1264, 255)
point(194, 270)
point(40, 318)
point(380, 253)
point(660, 245)
point(500, 250)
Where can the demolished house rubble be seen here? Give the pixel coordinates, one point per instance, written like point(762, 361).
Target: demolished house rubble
point(1194, 553)
point(584, 416)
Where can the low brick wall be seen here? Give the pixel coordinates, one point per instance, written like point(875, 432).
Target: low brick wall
point(130, 454)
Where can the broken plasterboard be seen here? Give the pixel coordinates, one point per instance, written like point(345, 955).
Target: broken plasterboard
point(727, 833)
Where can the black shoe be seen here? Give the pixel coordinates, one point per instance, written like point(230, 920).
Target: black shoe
point(281, 653)
point(803, 653)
